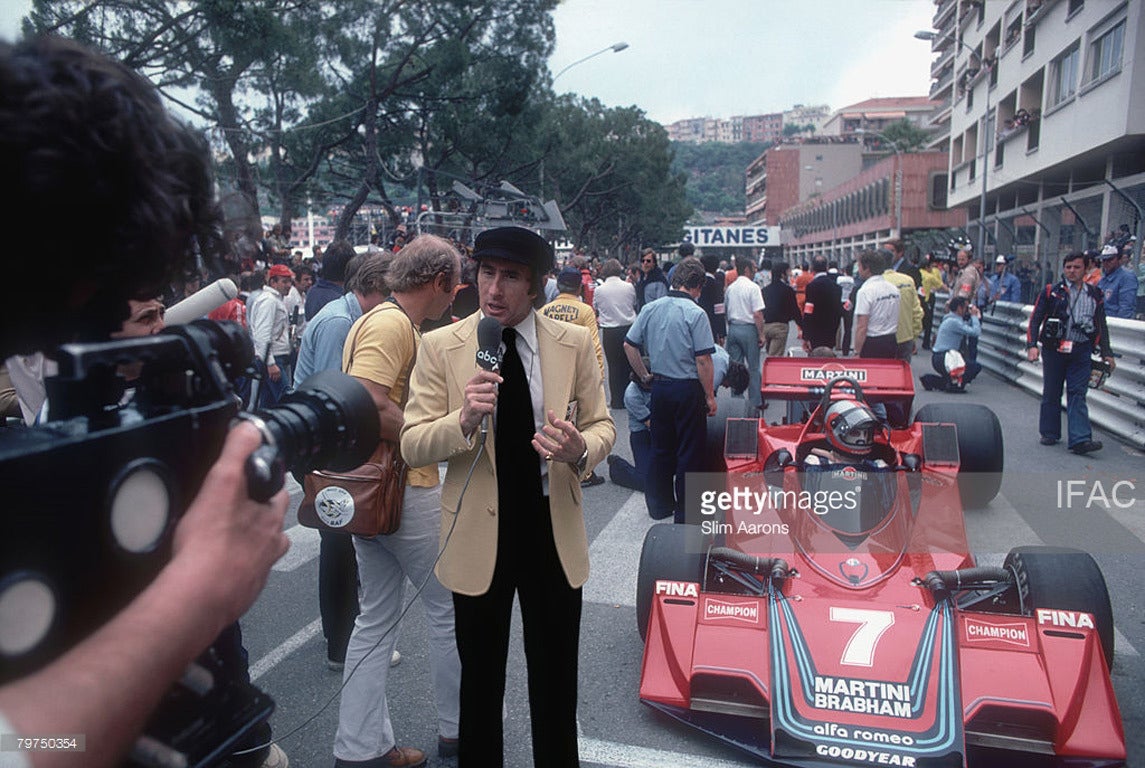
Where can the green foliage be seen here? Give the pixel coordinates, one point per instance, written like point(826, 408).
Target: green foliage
point(715, 173)
point(908, 136)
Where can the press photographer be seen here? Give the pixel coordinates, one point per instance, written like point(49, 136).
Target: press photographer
point(76, 126)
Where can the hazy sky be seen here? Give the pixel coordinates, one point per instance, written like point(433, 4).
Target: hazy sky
point(718, 58)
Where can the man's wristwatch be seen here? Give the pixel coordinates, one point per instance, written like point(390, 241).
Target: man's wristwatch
point(581, 464)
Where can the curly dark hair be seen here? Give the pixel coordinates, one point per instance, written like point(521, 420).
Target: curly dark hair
point(82, 133)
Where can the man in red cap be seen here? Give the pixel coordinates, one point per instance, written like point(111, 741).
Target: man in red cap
point(269, 327)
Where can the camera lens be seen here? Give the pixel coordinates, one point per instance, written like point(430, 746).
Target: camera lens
point(329, 422)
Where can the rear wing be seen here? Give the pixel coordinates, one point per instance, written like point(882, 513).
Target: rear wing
point(804, 378)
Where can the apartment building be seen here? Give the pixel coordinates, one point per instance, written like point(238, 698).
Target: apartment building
point(893, 196)
point(792, 173)
point(1043, 112)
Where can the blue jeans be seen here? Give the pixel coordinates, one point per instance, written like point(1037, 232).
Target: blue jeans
point(679, 427)
point(1071, 371)
point(743, 347)
point(270, 392)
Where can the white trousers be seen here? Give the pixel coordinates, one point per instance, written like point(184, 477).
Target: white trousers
point(384, 562)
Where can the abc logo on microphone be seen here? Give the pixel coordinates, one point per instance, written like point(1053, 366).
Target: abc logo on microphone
point(488, 360)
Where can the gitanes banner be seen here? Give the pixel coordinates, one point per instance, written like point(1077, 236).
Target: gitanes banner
point(731, 237)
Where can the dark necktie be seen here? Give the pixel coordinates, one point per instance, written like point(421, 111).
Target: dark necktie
point(518, 468)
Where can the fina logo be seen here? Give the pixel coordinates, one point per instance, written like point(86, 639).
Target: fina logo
point(492, 358)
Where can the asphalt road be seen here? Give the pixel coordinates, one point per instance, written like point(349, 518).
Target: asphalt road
point(287, 651)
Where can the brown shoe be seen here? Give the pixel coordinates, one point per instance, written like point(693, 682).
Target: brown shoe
point(404, 757)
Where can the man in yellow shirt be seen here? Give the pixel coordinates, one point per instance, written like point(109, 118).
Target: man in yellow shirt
point(569, 308)
point(910, 313)
point(931, 284)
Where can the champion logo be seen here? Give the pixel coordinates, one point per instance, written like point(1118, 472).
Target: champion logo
point(747, 613)
point(1015, 633)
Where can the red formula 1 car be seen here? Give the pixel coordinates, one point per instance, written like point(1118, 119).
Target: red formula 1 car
point(826, 609)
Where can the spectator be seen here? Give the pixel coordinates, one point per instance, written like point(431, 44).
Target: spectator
point(653, 285)
point(910, 313)
point(962, 321)
point(779, 309)
point(822, 308)
point(615, 304)
point(1118, 286)
point(380, 354)
point(876, 309)
point(1003, 285)
point(900, 263)
point(712, 298)
point(931, 274)
point(331, 279)
point(1068, 321)
point(270, 329)
point(677, 338)
point(744, 303)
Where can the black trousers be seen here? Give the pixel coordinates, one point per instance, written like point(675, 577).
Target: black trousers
point(528, 566)
point(612, 342)
point(337, 591)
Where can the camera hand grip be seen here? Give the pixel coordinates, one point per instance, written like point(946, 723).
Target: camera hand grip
point(265, 473)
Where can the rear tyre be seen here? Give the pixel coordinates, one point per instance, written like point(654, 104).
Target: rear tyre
point(717, 428)
point(666, 556)
point(1064, 579)
point(980, 448)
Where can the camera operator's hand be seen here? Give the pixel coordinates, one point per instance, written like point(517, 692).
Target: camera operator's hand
point(113, 680)
point(225, 532)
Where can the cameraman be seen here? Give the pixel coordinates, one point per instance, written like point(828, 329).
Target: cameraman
point(1069, 320)
point(75, 125)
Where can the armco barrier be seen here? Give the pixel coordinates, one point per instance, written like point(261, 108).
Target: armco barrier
point(1118, 407)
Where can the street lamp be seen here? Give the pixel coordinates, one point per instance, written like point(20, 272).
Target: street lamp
point(898, 176)
point(929, 34)
point(615, 48)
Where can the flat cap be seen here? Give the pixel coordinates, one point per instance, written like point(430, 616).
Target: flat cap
point(515, 244)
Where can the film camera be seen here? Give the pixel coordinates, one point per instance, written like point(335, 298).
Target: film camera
point(93, 496)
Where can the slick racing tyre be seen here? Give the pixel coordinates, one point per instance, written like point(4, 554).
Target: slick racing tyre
point(717, 427)
point(1063, 579)
point(979, 448)
point(671, 552)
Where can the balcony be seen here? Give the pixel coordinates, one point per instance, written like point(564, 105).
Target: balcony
point(942, 84)
point(942, 115)
point(942, 61)
point(1018, 124)
point(1036, 10)
point(945, 10)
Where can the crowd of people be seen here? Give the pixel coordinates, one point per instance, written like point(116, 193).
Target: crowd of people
point(576, 340)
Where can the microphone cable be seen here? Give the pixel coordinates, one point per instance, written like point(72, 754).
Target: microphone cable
point(397, 622)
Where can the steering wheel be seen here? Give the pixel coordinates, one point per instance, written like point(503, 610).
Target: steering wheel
point(825, 402)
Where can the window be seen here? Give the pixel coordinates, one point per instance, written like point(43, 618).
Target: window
point(938, 191)
point(1075, 6)
point(1028, 45)
point(1063, 76)
point(1105, 52)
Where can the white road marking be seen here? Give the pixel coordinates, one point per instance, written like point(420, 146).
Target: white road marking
point(292, 644)
point(304, 545)
point(614, 557)
point(627, 756)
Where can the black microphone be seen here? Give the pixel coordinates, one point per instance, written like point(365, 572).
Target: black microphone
point(488, 356)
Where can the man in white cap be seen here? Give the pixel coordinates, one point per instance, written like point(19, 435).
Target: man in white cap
point(1004, 286)
point(1118, 286)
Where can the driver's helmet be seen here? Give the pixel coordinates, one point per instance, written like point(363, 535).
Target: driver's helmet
point(851, 427)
